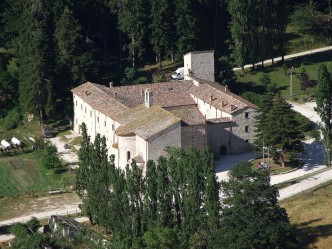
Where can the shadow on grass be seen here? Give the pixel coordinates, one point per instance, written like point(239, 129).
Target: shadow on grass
point(310, 235)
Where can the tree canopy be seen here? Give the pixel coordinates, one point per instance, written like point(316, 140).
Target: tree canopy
point(251, 216)
point(178, 195)
point(277, 127)
point(324, 108)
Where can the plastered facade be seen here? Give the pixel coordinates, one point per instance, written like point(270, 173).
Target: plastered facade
point(195, 112)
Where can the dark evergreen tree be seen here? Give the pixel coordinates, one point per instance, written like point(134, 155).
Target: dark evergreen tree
point(251, 216)
point(162, 29)
point(132, 16)
point(279, 129)
point(186, 29)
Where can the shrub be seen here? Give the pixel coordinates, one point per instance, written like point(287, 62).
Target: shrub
point(12, 120)
point(141, 80)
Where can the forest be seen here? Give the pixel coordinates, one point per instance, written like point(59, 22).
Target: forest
point(48, 47)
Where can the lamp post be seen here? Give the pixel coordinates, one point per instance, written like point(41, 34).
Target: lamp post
point(291, 81)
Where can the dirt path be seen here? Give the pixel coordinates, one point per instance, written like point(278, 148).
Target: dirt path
point(24, 208)
point(68, 155)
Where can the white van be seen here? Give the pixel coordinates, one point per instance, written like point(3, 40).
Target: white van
point(179, 74)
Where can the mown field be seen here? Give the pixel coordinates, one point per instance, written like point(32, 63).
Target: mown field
point(312, 216)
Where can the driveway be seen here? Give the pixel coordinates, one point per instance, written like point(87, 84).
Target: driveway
point(312, 158)
point(68, 155)
point(227, 162)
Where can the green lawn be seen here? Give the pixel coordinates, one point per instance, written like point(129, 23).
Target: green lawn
point(22, 174)
point(250, 80)
point(298, 42)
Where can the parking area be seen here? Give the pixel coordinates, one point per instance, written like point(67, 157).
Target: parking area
point(227, 162)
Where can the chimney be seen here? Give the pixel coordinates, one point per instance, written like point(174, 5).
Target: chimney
point(142, 92)
point(148, 98)
point(223, 103)
point(211, 98)
point(226, 88)
point(115, 94)
point(111, 84)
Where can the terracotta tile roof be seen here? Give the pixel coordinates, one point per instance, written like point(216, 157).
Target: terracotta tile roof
point(189, 116)
point(218, 120)
point(216, 95)
point(138, 159)
point(164, 94)
point(145, 122)
point(98, 99)
point(113, 101)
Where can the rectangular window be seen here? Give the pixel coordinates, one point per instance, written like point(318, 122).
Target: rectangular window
point(112, 127)
point(246, 128)
point(246, 114)
point(90, 113)
point(97, 119)
point(105, 123)
point(76, 121)
point(76, 102)
point(81, 107)
point(85, 109)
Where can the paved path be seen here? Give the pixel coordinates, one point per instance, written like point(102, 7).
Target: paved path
point(314, 158)
point(305, 184)
point(287, 57)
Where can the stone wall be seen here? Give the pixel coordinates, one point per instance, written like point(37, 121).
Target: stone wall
point(193, 136)
point(243, 130)
point(219, 136)
point(200, 63)
point(170, 137)
point(232, 137)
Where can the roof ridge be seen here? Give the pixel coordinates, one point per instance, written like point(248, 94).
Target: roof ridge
point(95, 85)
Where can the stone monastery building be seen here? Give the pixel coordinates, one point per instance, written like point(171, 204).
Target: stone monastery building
point(140, 121)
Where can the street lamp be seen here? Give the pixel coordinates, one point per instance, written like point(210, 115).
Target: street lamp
point(291, 81)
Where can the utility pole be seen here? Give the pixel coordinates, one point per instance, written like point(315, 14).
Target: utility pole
point(291, 81)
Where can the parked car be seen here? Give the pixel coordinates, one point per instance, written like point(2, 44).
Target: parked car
point(179, 74)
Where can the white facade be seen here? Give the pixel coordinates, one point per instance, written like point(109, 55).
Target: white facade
point(222, 120)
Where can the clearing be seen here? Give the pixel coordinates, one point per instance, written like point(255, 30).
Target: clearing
point(22, 174)
point(251, 79)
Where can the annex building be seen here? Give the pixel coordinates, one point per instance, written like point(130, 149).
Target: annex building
point(140, 121)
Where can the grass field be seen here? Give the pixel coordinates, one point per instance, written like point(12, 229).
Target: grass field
point(311, 214)
point(22, 174)
point(250, 80)
point(299, 42)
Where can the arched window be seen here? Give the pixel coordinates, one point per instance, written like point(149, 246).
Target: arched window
point(128, 155)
